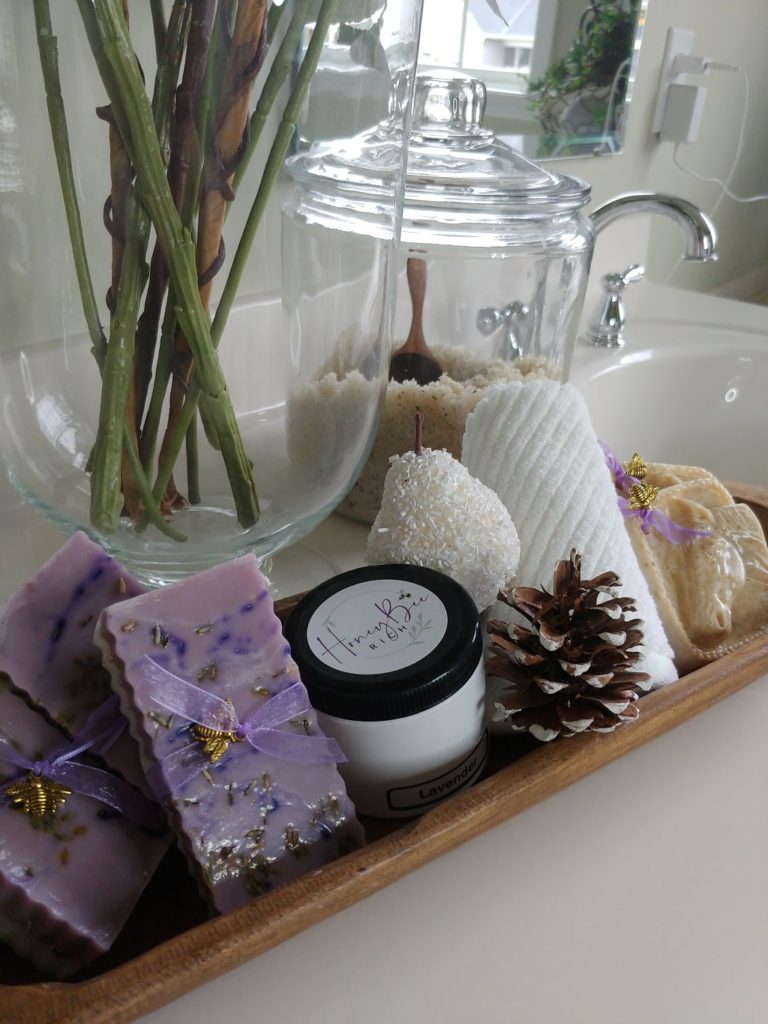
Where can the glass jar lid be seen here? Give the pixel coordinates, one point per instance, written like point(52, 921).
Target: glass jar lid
point(453, 161)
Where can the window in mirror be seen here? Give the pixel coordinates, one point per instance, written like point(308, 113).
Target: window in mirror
point(470, 35)
point(559, 73)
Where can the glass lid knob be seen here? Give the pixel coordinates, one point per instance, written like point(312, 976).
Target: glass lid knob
point(449, 102)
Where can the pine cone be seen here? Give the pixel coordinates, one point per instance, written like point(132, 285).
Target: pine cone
point(573, 670)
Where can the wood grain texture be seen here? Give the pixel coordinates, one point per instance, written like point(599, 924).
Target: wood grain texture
point(176, 966)
point(755, 497)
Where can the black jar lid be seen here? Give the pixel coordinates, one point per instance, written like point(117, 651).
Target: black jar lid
point(384, 641)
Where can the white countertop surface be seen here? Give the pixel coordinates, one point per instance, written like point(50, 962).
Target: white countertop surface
point(636, 896)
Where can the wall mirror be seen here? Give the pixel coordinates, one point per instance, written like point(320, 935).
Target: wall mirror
point(581, 54)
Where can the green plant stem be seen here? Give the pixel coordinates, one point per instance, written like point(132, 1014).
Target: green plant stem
point(273, 166)
point(162, 106)
point(93, 31)
point(124, 83)
point(106, 483)
point(272, 169)
point(49, 62)
point(278, 72)
point(48, 46)
point(183, 178)
point(158, 26)
point(162, 376)
point(134, 226)
point(151, 510)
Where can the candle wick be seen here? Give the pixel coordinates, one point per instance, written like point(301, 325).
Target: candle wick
point(419, 422)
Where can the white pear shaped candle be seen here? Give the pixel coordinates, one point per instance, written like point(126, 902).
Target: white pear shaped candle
point(434, 514)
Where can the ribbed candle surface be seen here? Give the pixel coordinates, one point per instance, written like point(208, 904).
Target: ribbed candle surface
point(534, 444)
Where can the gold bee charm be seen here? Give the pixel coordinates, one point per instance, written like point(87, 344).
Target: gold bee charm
point(642, 496)
point(37, 796)
point(636, 467)
point(215, 741)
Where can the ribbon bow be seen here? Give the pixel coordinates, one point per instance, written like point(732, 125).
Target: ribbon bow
point(50, 780)
point(213, 717)
point(635, 499)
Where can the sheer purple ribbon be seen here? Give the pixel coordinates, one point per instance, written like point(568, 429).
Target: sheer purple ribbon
point(261, 729)
point(650, 518)
point(98, 734)
point(621, 478)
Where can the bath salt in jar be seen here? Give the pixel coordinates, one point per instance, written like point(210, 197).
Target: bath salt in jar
point(392, 658)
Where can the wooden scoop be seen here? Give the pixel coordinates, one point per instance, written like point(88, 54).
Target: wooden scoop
point(413, 360)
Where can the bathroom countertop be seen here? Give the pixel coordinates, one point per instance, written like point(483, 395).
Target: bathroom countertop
point(637, 895)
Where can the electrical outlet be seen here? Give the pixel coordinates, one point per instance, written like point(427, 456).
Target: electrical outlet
point(679, 41)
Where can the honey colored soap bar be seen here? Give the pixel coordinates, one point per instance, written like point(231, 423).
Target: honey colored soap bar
point(71, 871)
point(228, 739)
point(711, 591)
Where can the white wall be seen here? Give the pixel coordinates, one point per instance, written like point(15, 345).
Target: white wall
point(35, 249)
point(733, 31)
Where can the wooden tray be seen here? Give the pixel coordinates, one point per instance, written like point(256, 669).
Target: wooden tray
point(169, 948)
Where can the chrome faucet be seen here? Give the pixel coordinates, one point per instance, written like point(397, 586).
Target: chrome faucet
point(698, 230)
point(606, 325)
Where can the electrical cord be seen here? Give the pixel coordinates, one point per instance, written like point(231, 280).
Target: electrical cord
point(725, 185)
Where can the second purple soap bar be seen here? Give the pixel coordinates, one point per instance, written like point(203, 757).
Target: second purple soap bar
point(249, 815)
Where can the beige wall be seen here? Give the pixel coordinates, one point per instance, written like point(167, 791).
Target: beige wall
point(733, 31)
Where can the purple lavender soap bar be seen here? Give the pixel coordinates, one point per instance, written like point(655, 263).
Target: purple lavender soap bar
point(71, 871)
point(46, 640)
point(230, 744)
point(46, 630)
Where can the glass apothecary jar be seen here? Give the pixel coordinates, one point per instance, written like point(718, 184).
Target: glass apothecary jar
point(495, 255)
point(154, 358)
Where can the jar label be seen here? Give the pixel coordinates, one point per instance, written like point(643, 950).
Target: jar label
point(377, 626)
point(421, 795)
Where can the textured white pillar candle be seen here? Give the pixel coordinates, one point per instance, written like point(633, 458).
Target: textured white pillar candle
point(534, 445)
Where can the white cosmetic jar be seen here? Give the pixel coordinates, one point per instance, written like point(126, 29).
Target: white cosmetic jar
point(392, 658)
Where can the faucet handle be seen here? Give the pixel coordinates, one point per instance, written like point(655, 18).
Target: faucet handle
point(616, 282)
point(606, 326)
point(514, 317)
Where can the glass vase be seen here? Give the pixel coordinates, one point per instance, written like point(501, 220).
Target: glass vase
point(162, 359)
